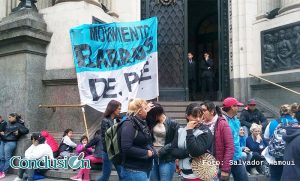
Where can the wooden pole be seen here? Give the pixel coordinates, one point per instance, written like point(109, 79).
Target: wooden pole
point(59, 105)
point(85, 123)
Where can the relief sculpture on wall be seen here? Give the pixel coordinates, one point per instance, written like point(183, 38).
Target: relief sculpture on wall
point(281, 48)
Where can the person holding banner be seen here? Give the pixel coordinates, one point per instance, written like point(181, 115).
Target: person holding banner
point(136, 142)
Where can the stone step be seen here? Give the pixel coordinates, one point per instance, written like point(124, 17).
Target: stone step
point(58, 136)
point(94, 174)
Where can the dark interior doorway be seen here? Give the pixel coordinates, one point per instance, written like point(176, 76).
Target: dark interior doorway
point(203, 37)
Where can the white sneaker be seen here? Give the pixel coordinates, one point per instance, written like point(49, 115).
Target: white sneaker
point(254, 171)
point(18, 179)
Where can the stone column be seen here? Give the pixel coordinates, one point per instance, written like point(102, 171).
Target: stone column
point(41, 4)
point(265, 6)
point(2, 9)
point(23, 41)
point(287, 5)
point(6, 6)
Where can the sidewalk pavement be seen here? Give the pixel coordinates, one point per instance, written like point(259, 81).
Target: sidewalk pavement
point(12, 177)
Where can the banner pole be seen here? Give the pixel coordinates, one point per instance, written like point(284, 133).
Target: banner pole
point(85, 123)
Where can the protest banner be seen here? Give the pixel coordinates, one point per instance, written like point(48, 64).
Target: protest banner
point(116, 61)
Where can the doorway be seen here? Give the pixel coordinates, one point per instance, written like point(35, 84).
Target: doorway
point(203, 36)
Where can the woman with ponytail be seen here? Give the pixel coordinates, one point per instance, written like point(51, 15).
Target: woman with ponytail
point(223, 148)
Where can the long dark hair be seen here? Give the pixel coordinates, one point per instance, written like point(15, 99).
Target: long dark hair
point(112, 106)
point(38, 137)
point(153, 115)
point(67, 131)
point(212, 107)
point(190, 107)
point(18, 117)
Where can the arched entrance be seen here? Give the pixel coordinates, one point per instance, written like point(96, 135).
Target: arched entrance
point(189, 25)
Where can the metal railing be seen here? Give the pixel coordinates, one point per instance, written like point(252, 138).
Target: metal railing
point(273, 83)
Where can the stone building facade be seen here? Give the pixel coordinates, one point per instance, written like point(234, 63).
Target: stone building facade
point(42, 71)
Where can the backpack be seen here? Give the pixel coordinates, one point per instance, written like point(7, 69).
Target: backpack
point(277, 144)
point(113, 142)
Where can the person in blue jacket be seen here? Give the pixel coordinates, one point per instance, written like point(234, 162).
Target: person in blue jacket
point(284, 119)
point(230, 110)
point(256, 144)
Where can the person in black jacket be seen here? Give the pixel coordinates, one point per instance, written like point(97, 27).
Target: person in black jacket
point(2, 124)
point(192, 141)
point(192, 76)
point(291, 170)
point(2, 127)
point(163, 130)
point(207, 76)
point(136, 142)
point(111, 115)
point(14, 129)
point(252, 115)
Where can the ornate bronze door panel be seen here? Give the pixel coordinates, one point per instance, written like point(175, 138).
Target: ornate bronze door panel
point(224, 77)
point(171, 49)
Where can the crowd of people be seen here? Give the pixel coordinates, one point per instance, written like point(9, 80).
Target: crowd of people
point(153, 146)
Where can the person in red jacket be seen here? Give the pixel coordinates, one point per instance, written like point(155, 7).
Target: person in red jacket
point(223, 147)
point(51, 142)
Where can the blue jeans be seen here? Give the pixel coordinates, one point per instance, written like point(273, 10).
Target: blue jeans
point(135, 175)
point(246, 156)
point(163, 171)
point(7, 149)
point(239, 172)
point(106, 169)
point(276, 172)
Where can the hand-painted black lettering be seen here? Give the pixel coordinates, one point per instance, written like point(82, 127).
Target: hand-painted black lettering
point(125, 33)
point(143, 71)
point(101, 61)
point(139, 53)
point(107, 88)
point(83, 54)
point(148, 44)
point(124, 55)
point(135, 79)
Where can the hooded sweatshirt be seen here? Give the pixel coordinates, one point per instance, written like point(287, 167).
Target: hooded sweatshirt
point(291, 170)
point(50, 140)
